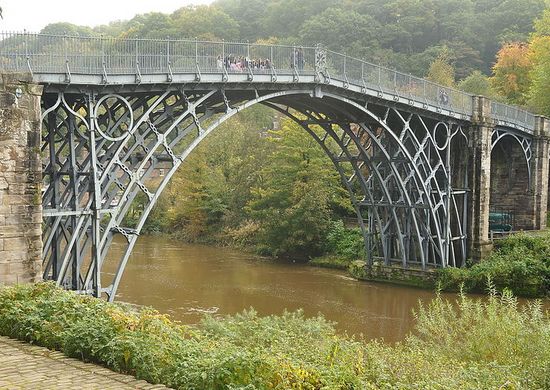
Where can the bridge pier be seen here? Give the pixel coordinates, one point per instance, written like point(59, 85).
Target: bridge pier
point(541, 171)
point(480, 178)
point(20, 180)
point(509, 173)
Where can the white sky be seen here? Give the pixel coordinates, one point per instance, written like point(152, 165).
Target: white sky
point(33, 15)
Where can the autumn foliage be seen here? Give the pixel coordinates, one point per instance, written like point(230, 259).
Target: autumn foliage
point(512, 72)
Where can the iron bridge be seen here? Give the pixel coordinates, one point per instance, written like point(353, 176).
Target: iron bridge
point(114, 111)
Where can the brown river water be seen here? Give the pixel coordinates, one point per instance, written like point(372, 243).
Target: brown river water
point(187, 281)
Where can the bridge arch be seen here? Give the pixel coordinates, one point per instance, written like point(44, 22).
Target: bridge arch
point(511, 179)
point(103, 147)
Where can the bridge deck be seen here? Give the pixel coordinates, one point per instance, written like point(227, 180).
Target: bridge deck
point(111, 63)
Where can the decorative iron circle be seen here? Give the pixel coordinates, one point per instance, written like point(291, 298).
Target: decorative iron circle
point(113, 117)
point(441, 139)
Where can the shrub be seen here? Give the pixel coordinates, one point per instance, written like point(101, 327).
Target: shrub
point(344, 242)
point(520, 263)
point(481, 344)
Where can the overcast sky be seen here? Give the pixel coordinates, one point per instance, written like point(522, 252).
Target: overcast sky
point(33, 15)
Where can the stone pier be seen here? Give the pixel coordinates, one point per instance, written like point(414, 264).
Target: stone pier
point(20, 180)
point(506, 176)
point(480, 179)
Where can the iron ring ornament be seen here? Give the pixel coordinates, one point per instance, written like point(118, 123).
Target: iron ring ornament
point(446, 136)
point(109, 127)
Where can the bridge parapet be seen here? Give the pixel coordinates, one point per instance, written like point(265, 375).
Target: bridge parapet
point(513, 116)
point(98, 60)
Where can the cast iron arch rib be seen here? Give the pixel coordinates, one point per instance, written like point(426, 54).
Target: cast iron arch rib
point(103, 155)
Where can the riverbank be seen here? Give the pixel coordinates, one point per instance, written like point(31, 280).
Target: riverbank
point(477, 350)
point(519, 263)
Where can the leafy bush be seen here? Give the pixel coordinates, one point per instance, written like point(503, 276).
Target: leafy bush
point(344, 242)
point(465, 344)
point(520, 263)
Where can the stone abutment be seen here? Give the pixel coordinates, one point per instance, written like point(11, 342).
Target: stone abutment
point(20, 180)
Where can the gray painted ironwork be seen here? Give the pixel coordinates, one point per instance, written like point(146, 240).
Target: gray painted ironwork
point(117, 110)
point(103, 149)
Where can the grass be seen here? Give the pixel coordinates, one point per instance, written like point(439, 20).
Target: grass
point(467, 344)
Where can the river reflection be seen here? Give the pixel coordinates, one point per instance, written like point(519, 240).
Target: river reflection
point(186, 281)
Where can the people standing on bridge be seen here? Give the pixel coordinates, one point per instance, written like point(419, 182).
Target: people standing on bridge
point(297, 59)
point(300, 58)
point(219, 63)
point(443, 97)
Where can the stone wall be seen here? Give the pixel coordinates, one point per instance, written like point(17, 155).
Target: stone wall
point(20, 180)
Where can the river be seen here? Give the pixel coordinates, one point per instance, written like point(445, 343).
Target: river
point(187, 281)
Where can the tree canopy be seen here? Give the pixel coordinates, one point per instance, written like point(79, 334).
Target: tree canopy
point(405, 34)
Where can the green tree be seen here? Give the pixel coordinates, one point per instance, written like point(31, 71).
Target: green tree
point(335, 26)
point(441, 71)
point(293, 203)
point(539, 91)
point(151, 25)
point(542, 24)
point(204, 22)
point(249, 14)
point(511, 72)
point(476, 83)
point(64, 28)
point(210, 190)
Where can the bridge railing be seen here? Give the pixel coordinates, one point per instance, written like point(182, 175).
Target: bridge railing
point(513, 115)
point(398, 84)
point(59, 54)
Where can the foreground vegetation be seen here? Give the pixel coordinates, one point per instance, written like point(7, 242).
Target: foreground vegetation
point(519, 262)
point(467, 344)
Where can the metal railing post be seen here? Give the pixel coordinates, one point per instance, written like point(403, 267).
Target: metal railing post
point(198, 70)
point(138, 71)
point(346, 82)
point(67, 69)
point(27, 52)
point(225, 63)
point(103, 62)
point(168, 61)
point(197, 52)
point(424, 91)
point(272, 65)
point(363, 76)
point(247, 62)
